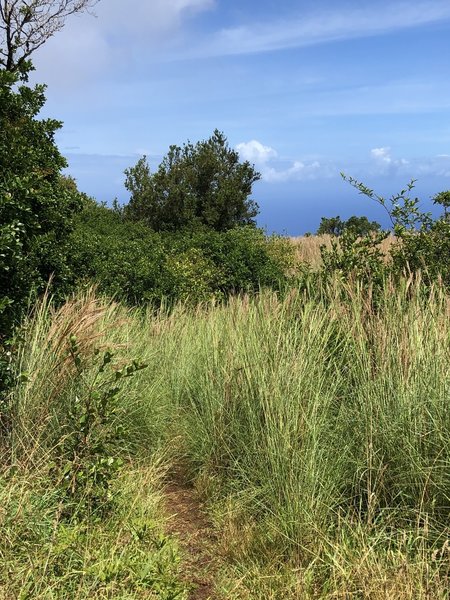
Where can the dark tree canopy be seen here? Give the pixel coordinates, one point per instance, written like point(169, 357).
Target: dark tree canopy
point(196, 184)
point(36, 202)
point(331, 226)
point(25, 25)
point(360, 226)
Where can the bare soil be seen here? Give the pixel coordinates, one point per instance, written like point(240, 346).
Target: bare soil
point(189, 524)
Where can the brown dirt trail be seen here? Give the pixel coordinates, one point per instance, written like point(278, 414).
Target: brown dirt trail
point(188, 523)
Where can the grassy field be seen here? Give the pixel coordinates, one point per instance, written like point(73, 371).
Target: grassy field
point(317, 433)
point(308, 248)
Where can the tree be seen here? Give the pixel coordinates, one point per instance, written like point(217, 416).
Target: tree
point(201, 184)
point(359, 226)
point(25, 25)
point(443, 198)
point(330, 226)
point(36, 202)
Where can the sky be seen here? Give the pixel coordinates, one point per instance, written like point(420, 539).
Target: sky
point(303, 89)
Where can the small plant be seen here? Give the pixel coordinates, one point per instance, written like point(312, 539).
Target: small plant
point(352, 255)
point(94, 434)
point(423, 243)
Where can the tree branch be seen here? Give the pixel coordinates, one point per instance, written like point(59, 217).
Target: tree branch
point(25, 25)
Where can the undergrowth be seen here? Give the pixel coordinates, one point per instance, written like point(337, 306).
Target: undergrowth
point(315, 427)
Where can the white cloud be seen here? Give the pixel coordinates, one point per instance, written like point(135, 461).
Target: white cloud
point(382, 154)
point(256, 152)
point(383, 163)
point(317, 28)
point(276, 170)
point(121, 34)
point(298, 171)
point(437, 166)
point(383, 158)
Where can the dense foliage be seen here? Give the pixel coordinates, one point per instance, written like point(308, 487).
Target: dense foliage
point(37, 203)
point(359, 226)
point(128, 260)
point(196, 184)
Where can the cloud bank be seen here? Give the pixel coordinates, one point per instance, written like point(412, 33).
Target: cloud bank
point(277, 170)
point(378, 162)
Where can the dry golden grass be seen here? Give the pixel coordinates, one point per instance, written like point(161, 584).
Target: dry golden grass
point(308, 248)
point(82, 318)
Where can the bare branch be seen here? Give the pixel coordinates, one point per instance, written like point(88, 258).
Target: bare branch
point(25, 25)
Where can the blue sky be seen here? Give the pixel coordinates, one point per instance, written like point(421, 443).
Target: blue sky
point(303, 89)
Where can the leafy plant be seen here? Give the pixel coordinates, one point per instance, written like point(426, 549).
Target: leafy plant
point(361, 226)
point(354, 256)
point(128, 260)
point(93, 434)
point(423, 242)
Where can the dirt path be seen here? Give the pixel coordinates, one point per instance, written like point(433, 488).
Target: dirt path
point(187, 522)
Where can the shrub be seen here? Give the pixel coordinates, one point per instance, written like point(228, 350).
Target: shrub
point(92, 433)
point(128, 260)
point(361, 226)
point(423, 242)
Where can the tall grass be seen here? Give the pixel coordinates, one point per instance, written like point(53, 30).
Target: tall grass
point(307, 248)
point(319, 432)
point(319, 426)
point(51, 547)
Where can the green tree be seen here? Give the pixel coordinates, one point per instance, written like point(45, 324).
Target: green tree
point(443, 198)
point(196, 184)
point(331, 226)
point(359, 226)
point(36, 202)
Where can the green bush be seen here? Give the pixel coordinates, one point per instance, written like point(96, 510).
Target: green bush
point(244, 258)
point(88, 456)
point(123, 258)
point(131, 262)
point(355, 256)
point(360, 226)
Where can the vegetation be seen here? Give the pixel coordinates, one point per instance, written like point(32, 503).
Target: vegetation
point(128, 260)
point(422, 241)
point(245, 396)
point(37, 204)
point(259, 396)
point(359, 226)
point(201, 184)
point(304, 406)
